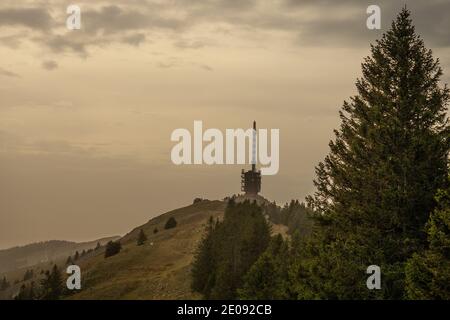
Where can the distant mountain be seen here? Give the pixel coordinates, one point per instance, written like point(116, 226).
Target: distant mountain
point(41, 252)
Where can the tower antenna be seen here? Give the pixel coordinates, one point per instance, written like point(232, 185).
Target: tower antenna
point(251, 179)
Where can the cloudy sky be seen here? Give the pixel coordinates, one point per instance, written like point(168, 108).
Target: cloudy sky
point(86, 115)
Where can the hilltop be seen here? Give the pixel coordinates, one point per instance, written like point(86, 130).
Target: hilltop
point(159, 269)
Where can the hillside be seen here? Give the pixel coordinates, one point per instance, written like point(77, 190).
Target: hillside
point(157, 270)
point(38, 253)
point(160, 269)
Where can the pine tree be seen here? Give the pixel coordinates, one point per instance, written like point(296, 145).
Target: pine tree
point(76, 256)
point(98, 246)
point(375, 188)
point(202, 267)
point(4, 284)
point(267, 279)
point(28, 275)
point(52, 284)
point(31, 291)
point(142, 238)
point(112, 248)
point(171, 223)
point(69, 261)
point(428, 273)
point(22, 295)
point(225, 256)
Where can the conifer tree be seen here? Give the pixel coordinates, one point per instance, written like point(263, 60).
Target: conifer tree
point(142, 238)
point(4, 284)
point(112, 248)
point(171, 223)
point(428, 273)
point(22, 295)
point(376, 187)
point(268, 279)
point(31, 291)
point(52, 284)
point(202, 267)
point(231, 249)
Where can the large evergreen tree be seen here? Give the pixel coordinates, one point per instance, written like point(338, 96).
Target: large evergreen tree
point(376, 187)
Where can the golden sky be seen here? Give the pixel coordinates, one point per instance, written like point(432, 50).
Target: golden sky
point(86, 115)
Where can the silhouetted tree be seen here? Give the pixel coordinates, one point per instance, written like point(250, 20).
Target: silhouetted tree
point(4, 284)
point(428, 273)
point(229, 249)
point(376, 187)
point(112, 248)
point(52, 285)
point(171, 223)
point(141, 238)
point(197, 200)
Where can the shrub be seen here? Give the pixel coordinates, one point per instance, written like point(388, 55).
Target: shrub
point(171, 223)
point(112, 248)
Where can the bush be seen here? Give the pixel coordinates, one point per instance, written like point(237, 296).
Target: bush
point(112, 248)
point(142, 238)
point(171, 223)
point(197, 200)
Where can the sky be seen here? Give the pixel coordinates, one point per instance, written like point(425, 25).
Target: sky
point(86, 115)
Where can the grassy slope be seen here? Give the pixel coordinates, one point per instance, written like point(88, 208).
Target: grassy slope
point(157, 270)
point(160, 269)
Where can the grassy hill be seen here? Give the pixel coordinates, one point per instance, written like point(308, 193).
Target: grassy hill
point(160, 269)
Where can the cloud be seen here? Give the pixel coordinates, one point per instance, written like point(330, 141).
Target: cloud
point(7, 73)
point(49, 65)
point(134, 39)
point(113, 19)
point(34, 18)
point(186, 44)
point(205, 67)
point(306, 22)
